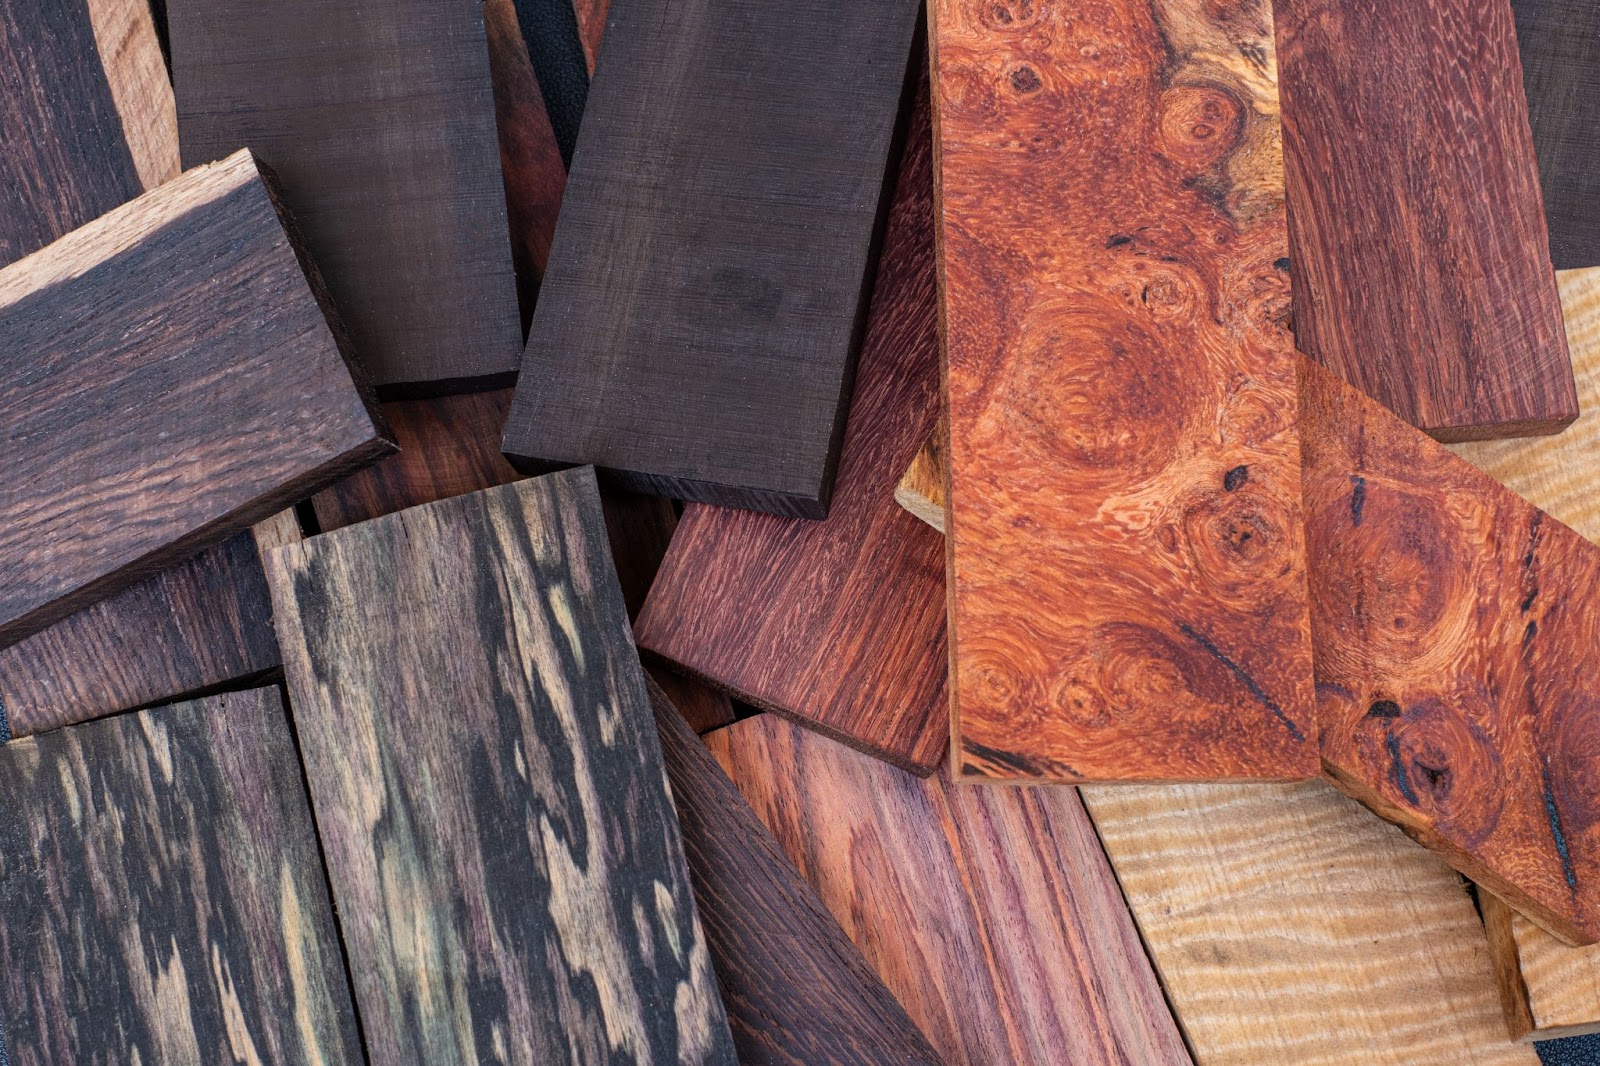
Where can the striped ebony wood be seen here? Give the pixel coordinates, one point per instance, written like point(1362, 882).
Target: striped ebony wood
point(541, 813)
point(161, 895)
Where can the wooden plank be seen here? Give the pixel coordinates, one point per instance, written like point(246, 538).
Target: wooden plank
point(164, 899)
point(990, 913)
point(721, 376)
point(1405, 132)
point(796, 988)
point(1557, 40)
point(1548, 990)
point(557, 47)
point(591, 26)
point(573, 933)
point(822, 621)
point(213, 394)
point(1455, 628)
point(409, 229)
point(1121, 398)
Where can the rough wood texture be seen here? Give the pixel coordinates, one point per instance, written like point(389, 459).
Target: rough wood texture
point(1456, 629)
point(1121, 395)
point(1559, 42)
point(172, 378)
point(721, 376)
point(378, 119)
point(990, 913)
point(797, 990)
point(1418, 232)
point(163, 897)
point(572, 932)
point(821, 620)
point(1548, 990)
point(921, 488)
point(1290, 926)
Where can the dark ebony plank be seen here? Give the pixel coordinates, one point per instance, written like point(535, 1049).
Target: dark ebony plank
point(697, 328)
point(379, 121)
point(162, 895)
point(476, 730)
point(1559, 42)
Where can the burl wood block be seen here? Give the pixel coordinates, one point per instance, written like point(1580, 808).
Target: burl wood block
point(1127, 575)
point(1457, 635)
point(172, 374)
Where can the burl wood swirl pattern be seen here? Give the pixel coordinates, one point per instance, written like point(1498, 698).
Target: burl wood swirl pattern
point(1128, 589)
point(1457, 636)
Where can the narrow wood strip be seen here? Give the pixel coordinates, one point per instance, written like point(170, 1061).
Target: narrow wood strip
point(1121, 395)
point(1405, 131)
point(556, 45)
point(124, 34)
point(1548, 990)
point(487, 769)
point(591, 26)
point(164, 899)
point(989, 912)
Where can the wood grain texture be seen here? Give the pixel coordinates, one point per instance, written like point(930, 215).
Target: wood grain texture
point(1405, 132)
point(541, 813)
point(990, 913)
point(379, 122)
point(1559, 42)
point(1456, 629)
point(797, 990)
point(1290, 926)
point(920, 489)
point(164, 900)
point(591, 26)
point(822, 621)
point(213, 392)
point(1121, 395)
point(1548, 990)
point(721, 376)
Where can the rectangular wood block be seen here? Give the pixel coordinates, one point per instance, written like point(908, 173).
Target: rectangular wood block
point(1548, 990)
point(163, 897)
point(379, 121)
point(512, 770)
point(172, 377)
point(1418, 233)
point(825, 621)
point(697, 329)
point(990, 913)
point(1126, 561)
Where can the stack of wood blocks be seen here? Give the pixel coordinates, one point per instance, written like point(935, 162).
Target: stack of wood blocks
point(882, 532)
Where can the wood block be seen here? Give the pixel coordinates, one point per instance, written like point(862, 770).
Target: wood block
point(921, 490)
point(1127, 594)
point(723, 375)
point(1559, 42)
point(219, 391)
point(164, 899)
point(796, 988)
point(1456, 629)
point(823, 621)
point(572, 932)
point(378, 120)
point(591, 26)
point(1405, 133)
point(990, 913)
point(1548, 990)
point(557, 47)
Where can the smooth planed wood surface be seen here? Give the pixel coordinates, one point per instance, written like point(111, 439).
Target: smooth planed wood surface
point(1418, 232)
point(1456, 628)
point(378, 120)
point(990, 913)
point(476, 729)
point(1127, 583)
point(821, 621)
point(163, 897)
point(721, 376)
point(172, 375)
point(797, 990)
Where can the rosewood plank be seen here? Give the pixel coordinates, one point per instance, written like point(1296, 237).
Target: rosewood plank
point(163, 896)
point(1417, 228)
point(990, 913)
point(823, 621)
point(797, 990)
point(591, 26)
point(541, 812)
point(1559, 42)
point(723, 375)
point(172, 376)
point(378, 120)
point(1127, 593)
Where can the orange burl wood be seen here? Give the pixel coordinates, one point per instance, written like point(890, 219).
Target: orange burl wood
point(1457, 638)
point(1128, 597)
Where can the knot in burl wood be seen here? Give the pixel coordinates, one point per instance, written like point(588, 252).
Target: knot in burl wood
point(1199, 124)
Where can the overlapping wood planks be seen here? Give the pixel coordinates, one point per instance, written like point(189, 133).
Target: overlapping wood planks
point(573, 931)
point(1127, 590)
point(1405, 133)
point(1548, 989)
point(163, 896)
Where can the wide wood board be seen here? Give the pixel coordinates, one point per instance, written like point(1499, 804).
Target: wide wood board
point(1126, 560)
